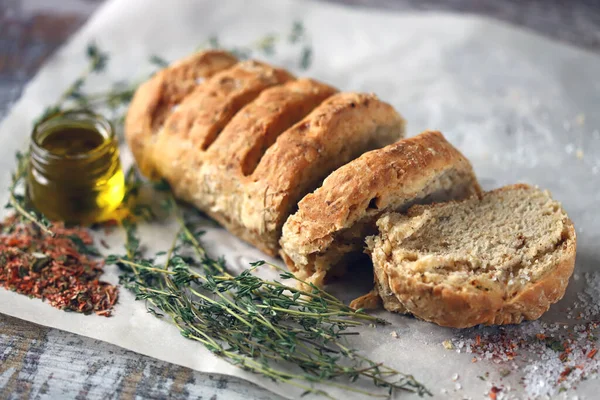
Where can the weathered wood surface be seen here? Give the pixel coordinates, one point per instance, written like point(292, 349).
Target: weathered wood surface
point(42, 363)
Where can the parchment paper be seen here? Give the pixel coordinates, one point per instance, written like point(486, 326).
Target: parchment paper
point(522, 108)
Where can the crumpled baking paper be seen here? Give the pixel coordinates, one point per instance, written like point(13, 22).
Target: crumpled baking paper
point(522, 108)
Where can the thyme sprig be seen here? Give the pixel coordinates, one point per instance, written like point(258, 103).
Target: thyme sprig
point(17, 199)
point(116, 100)
point(97, 61)
point(298, 36)
point(263, 326)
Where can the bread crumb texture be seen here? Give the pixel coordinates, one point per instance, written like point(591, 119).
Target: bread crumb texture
point(496, 260)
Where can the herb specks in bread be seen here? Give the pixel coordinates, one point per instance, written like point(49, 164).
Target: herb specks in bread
point(496, 260)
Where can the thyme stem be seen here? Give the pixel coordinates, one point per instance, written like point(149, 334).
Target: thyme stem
point(19, 209)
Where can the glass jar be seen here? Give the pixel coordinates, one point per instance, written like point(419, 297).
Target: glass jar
point(75, 174)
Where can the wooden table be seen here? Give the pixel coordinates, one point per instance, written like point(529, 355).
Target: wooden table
point(38, 362)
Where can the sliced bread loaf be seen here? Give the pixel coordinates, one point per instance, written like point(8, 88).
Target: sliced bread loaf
point(500, 259)
point(245, 141)
point(330, 226)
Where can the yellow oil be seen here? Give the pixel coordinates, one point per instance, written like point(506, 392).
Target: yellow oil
point(75, 173)
point(72, 141)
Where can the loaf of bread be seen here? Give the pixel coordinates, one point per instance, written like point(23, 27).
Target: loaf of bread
point(249, 141)
point(331, 224)
point(499, 259)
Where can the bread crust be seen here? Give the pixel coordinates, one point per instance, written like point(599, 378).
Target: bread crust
point(357, 193)
point(255, 128)
point(206, 111)
point(181, 144)
point(465, 307)
point(155, 98)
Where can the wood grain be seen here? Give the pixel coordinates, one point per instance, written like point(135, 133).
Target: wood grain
point(42, 363)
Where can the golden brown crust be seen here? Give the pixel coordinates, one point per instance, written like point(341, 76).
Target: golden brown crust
point(205, 112)
point(255, 128)
point(181, 145)
point(388, 298)
point(464, 307)
point(154, 100)
point(357, 193)
point(340, 129)
point(369, 301)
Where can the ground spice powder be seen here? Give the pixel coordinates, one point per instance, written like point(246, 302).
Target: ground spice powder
point(59, 269)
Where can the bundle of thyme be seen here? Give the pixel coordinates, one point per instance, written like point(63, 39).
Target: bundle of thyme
point(264, 326)
point(280, 331)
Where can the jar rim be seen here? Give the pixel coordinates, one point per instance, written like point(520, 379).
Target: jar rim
point(98, 122)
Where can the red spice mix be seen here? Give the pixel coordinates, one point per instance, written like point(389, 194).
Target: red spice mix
point(56, 268)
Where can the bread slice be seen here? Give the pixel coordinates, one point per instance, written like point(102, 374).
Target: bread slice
point(340, 129)
point(500, 259)
point(155, 99)
point(331, 224)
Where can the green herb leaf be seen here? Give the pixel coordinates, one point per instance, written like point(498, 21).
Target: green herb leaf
point(97, 58)
point(82, 247)
point(555, 344)
point(306, 58)
point(297, 33)
point(158, 61)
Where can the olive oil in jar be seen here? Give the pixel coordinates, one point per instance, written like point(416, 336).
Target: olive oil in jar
point(75, 174)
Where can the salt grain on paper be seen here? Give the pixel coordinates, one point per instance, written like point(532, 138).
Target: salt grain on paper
point(570, 148)
point(551, 358)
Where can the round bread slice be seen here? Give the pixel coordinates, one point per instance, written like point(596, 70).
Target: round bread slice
point(331, 224)
point(500, 259)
